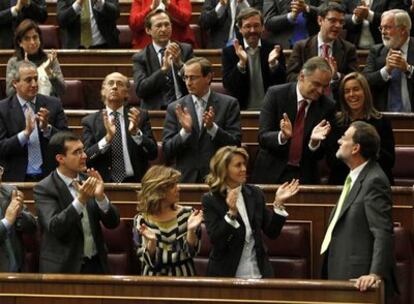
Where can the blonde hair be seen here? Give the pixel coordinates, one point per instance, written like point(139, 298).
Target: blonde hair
point(219, 165)
point(154, 187)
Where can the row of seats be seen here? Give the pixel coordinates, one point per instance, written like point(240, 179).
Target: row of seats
point(289, 254)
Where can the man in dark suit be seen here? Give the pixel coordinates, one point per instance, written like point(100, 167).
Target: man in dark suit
point(156, 67)
point(27, 121)
point(198, 124)
point(71, 205)
point(292, 148)
point(219, 19)
point(252, 65)
point(359, 240)
point(15, 219)
point(88, 23)
point(102, 135)
point(389, 68)
point(363, 19)
point(340, 54)
point(288, 21)
point(13, 12)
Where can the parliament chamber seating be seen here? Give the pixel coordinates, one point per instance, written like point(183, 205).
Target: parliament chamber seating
point(199, 35)
point(74, 97)
point(403, 170)
point(50, 35)
point(125, 36)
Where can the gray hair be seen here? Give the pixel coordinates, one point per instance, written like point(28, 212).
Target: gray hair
point(14, 73)
point(401, 18)
point(315, 63)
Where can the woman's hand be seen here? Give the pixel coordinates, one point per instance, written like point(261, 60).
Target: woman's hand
point(149, 237)
point(231, 200)
point(286, 191)
point(51, 57)
point(195, 219)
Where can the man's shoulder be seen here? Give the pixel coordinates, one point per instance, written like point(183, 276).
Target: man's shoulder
point(46, 182)
point(5, 102)
point(345, 44)
point(142, 53)
point(92, 116)
point(48, 99)
point(278, 88)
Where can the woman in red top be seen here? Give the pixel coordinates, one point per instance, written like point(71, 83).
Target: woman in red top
point(179, 12)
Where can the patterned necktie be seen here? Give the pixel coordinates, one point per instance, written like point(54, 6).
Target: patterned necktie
point(118, 165)
point(296, 143)
point(13, 267)
point(395, 103)
point(344, 195)
point(86, 27)
point(33, 146)
point(162, 51)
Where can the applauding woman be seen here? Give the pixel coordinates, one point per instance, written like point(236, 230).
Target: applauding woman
point(236, 214)
point(28, 43)
point(166, 235)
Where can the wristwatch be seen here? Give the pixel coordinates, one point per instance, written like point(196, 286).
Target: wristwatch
point(409, 71)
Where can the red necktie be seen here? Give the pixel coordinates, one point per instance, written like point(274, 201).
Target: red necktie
point(325, 55)
point(296, 143)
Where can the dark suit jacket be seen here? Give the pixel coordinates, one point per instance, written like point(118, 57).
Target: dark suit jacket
point(379, 87)
point(25, 223)
point(362, 240)
point(343, 51)
point(14, 157)
point(69, 23)
point(279, 28)
point(238, 84)
point(101, 160)
point(218, 27)
point(228, 241)
point(35, 11)
point(272, 158)
point(192, 156)
point(61, 250)
point(150, 82)
point(378, 7)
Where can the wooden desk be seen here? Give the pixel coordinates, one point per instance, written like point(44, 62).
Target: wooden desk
point(55, 288)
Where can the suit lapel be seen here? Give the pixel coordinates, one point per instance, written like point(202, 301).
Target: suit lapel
point(292, 103)
point(338, 52)
point(189, 104)
point(312, 48)
point(153, 58)
point(249, 200)
point(16, 112)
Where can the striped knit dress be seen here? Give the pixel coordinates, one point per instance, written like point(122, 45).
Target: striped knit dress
point(173, 256)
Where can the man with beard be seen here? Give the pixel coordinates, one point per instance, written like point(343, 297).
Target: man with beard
point(389, 67)
point(252, 65)
point(339, 53)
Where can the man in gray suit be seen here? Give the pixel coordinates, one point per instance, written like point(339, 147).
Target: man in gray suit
point(71, 205)
point(200, 123)
point(15, 219)
point(359, 240)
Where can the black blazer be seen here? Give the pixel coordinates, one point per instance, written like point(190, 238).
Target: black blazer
point(61, 249)
point(192, 156)
point(238, 84)
point(379, 87)
point(14, 157)
point(69, 23)
point(35, 11)
point(272, 158)
point(25, 223)
point(228, 241)
point(101, 160)
point(151, 84)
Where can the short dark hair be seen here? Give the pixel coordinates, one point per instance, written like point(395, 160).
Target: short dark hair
point(205, 64)
point(329, 7)
point(247, 13)
point(21, 30)
point(368, 139)
point(57, 145)
point(147, 21)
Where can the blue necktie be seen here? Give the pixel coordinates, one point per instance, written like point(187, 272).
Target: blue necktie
point(300, 31)
point(33, 146)
point(394, 92)
point(9, 248)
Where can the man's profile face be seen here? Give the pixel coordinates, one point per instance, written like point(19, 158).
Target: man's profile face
point(346, 145)
point(161, 29)
point(26, 87)
point(313, 85)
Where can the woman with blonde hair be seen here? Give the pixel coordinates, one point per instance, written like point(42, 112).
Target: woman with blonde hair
point(166, 235)
point(356, 104)
point(236, 214)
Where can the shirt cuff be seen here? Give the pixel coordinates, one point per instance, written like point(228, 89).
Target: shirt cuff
point(290, 18)
point(213, 130)
point(313, 149)
point(6, 223)
point(384, 74)
point(280, 211)
point(23, 140)
point(78, 205)
point(370, 17)
point(240, 68)
point(184, 135)
point(103, 143)
point(137, 138)
point(354, 19)
point(13, 11)
point(103, 204)
point(233, 223)
point(48, 132)
point(279, 139)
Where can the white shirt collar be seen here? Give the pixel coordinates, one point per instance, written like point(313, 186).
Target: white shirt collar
point(320, 42)
point(205, 97)
point(246, 46)
point(404, 47)
point(120, 110)
point(157, 47)
point(299, 95)
point(356, 171)
point(66, 180)
point(23, 101)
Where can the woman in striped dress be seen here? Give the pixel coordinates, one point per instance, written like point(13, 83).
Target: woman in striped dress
point(166, 235)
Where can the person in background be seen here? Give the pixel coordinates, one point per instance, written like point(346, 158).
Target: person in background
point(236, 217)
point(166, 234)
point(28, 45)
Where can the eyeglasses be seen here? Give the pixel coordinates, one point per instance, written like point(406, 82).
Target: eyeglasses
point(333, 20)
point(386, 28)
point(191, 77)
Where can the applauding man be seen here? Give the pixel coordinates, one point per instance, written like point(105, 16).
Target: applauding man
point(118, 139)
point(291, 148)
point(71, 205)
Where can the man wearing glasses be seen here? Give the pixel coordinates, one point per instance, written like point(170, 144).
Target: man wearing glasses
point(340, 54)
point(15, 219)
point(389, 69)
point(200, 123)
